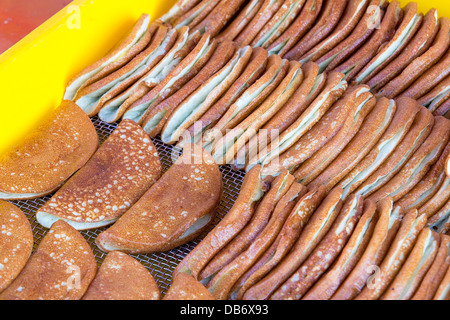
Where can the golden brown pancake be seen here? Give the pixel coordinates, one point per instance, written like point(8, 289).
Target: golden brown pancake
point(175, 210)
point(61, 268)
point(49, 155)
point(185, 287)
point(121, 277)
point(16, 242)
point(117, 175)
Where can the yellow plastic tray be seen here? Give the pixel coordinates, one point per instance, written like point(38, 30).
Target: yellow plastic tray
point(34, 72)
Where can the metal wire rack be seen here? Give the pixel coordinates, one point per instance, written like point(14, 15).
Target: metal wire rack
point(160, 264)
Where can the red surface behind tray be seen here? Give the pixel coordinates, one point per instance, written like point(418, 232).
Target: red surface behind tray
point(20, 17)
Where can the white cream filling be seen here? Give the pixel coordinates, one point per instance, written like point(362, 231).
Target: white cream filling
point(351, 213)
point(47, 220)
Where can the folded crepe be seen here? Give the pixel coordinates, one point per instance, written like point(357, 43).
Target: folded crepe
point(385, 230)
point(311, 235)
point(440, 221)
point(252, 72)
point(421, 64)
point(266, 11)
point(420, 43)
point(61, 268)
point(185, 287)
point(418, 165)
point(278, 23)
point(330, 16)
point(49, 155)
point(434, 276)
point(219, 17)
point(196, 14)
point(241, 268)
point(322, 132)
point(407, 110)
point(411, 225)
point(353, 13)
point(443, 291)
point(332, 91)
point(286, 38)
point(133, 42)
point(360, 34)
point(420, 129)
point(234, 221)
point(415, 267)
point(155, 118)
point(324, 254)
point(286, 239)
point(149, 63)
point(428, 187)
point(327, 285)
point(16, 242)
point(372, 130)
point(437, 96)
point(117, 175)
point(192, 108)
point(178, 9)
point(407, 29)
point(218, 269)
point(175, 210)
point(121, 277)
point(377, 41)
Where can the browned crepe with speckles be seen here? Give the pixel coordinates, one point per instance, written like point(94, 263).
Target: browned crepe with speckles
point(304, 21)
point(222, 281)
point(421, 64)
point(185, 287)
point(353, 13)
point(379, 38)
point(443, 292)
point(264, 14)
point(234, 221)
point(116, 176)
point(363, 30)
point(196, 14)
point(331, 13)
point(383, 235)
point(49, 155)
point(252, 72)
point(388, 51)
point(218, 17)
point(420, 43)
point(178, 9)
point(416, 168)
point(61, 268)
point(286, 239)
point(175, 210)
point(436, 96)
point(362, 143)
point(311, 236)
point(415, 267)
point(16, 242)
point(324, 254)
point(121, 277)
point(401, 246)
point(130, 45)
point(222, 54)
point(327, 285)
point(436, 273)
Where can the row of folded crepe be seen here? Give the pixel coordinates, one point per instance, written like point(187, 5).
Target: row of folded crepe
point(299, 243)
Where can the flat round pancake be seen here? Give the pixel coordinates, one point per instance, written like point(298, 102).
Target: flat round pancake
point(16, 242)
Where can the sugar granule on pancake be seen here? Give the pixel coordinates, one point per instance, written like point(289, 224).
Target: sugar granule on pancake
point(116, 176)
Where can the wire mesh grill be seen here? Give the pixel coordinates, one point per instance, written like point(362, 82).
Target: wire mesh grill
point(160, 264)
